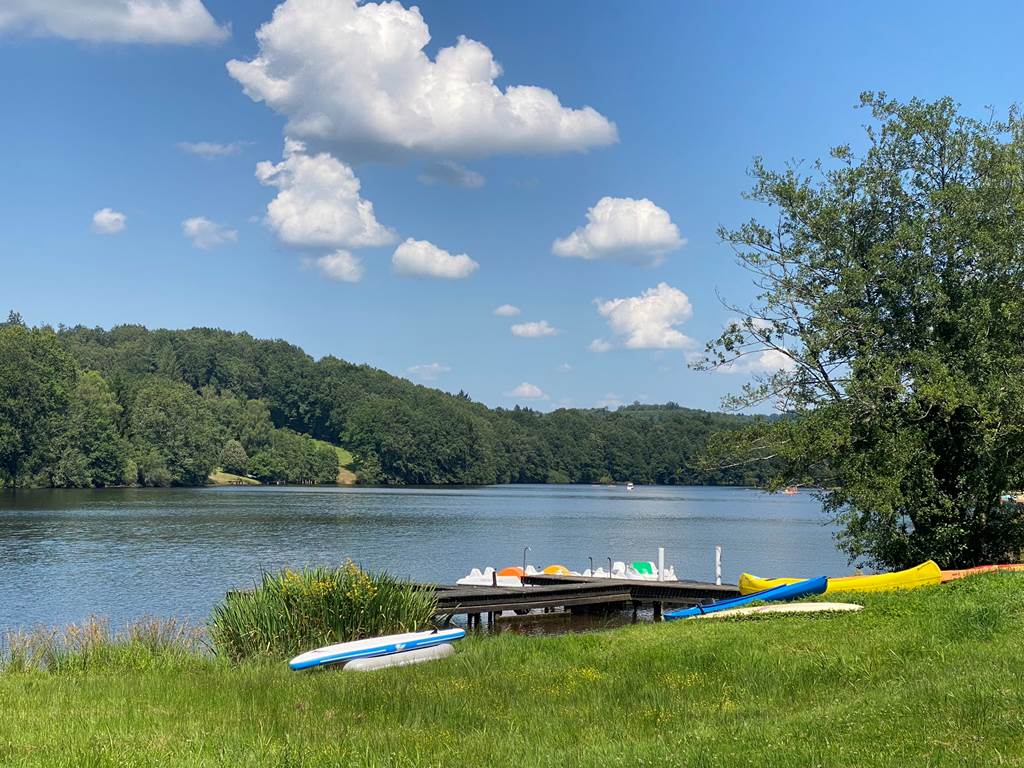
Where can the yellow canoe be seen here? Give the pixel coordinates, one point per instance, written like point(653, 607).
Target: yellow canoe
point(922, 575)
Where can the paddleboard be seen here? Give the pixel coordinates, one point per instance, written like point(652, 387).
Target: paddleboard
point(759, 610)
point(374, 646)
point(403, 659)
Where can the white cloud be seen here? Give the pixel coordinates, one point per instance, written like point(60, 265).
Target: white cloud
point(599, 345)
point(357, 76)
point(765, 361)
point(528, 391)
point(420, 258)
point(207, 234)
point(211, 149)
point(107, 221)
point(564, 368)
point(341, 266)
point(114, 21)
point(534, 330)
point(450, 172)
point(610, 400)
point(648, 321)
point(622, 228)
point(428, 371)
point(318, 202)
point(506, 310)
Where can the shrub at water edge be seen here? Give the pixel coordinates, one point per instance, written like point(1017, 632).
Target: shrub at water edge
point(294, 611)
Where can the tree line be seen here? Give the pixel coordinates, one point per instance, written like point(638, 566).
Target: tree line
point(85, 407)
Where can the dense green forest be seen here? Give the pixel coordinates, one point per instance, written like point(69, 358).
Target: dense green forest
point(82, 407)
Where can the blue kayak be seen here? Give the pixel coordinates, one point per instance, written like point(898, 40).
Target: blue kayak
point(784, 592)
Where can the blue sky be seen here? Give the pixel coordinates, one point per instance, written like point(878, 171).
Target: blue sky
point(96, 107)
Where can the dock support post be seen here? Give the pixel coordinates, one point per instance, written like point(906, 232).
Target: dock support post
point(718, 564)
point(661, 563)
point(658, 610)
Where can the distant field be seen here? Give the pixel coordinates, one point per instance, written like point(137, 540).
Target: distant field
point(226, 478)
point(345, 458)
point(931, 677)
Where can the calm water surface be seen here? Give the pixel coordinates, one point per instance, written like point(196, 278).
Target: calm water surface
point(125, 553)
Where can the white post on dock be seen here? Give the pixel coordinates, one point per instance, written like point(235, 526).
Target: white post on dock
point(718, 564)
point(661, 563)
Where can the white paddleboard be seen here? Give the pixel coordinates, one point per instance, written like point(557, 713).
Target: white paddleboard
point(374, 646)
point(758, 610)
point(400, 659)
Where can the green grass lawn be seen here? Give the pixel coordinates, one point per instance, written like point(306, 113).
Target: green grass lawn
point(932, 677)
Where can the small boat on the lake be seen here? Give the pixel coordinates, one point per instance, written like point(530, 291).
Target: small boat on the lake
point(780, 593)
point(511, 576)
point(639, 570)
point(374, 646)
point(962, 573)
point(790, 490)
point(923, 575)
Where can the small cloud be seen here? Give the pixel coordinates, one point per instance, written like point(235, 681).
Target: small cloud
point(625, 229)
point(451, 173)
point(765, 361)
point(428, 371)
point(107, 221)
point(528, 391)
point(649, 321)
point(610, 400)
point(599, 345)
point(420, 258)
point(206, 234)
point(211, 149)
point(506, 310)
point(318, 203)
point(534, 330)
point(340, 266)
point(564, 368)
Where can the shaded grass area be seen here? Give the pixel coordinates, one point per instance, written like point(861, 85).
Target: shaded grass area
point(929, 677)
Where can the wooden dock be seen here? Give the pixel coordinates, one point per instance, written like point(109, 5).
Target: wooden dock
point(574, 593)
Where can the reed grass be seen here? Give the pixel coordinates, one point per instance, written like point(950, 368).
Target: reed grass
point(148, 643)
point(289, 612)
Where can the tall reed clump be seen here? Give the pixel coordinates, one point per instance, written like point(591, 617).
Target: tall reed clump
point(289, 612)
point(91, 645)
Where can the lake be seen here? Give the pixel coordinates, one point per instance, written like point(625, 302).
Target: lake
point(125, 553)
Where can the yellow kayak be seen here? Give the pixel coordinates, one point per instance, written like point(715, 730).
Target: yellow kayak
point(922, 575)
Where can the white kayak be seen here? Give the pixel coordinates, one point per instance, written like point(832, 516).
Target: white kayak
point(403, 659)
point(374, 646)
point(761, 610)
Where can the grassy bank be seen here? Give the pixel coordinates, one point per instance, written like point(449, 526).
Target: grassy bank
point(932, 677)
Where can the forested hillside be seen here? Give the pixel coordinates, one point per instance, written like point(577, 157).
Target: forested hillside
point(86, 407)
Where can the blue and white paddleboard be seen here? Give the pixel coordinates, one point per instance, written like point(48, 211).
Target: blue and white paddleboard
point(374, 646)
